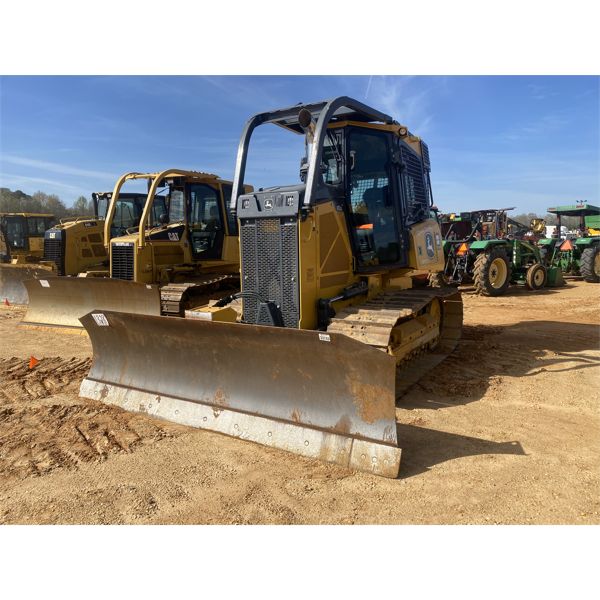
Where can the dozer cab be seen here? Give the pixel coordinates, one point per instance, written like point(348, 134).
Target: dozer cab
point(184, 248)
point(21, 252)
point(332, 331)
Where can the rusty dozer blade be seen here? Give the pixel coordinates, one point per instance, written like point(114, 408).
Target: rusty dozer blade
point(61, 301)
point(12, 278)
point(319, 395)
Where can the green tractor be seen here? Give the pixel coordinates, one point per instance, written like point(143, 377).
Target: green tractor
point(579, 256)
point(487, 248)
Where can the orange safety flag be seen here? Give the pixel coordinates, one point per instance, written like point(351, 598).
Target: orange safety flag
point(462, 249)
point(566, 245)
point(33, 361)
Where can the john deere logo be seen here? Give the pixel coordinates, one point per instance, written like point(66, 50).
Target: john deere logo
point(269, 203)
point(429, 245)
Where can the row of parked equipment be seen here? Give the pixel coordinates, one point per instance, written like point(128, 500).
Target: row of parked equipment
point(328, 297)
point(490, 250)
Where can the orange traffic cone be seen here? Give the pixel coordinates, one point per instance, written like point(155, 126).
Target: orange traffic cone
point(33, 361)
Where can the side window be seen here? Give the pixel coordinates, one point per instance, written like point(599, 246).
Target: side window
point(35, 226)
point(231, 219)
point(332, 158)
point(372, 208)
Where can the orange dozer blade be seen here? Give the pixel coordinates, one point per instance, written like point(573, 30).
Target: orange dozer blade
point(12, 278)
point(319, 395)
point(61, 301)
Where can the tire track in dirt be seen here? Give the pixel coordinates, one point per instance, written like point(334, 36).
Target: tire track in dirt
point(45, 426)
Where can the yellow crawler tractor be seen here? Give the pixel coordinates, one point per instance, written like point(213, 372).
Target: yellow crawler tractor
point(76, 246)
point(21, 252)
point(185, 247)
point(336, 320)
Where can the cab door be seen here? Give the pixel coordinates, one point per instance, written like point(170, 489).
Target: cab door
point(205, 222)
point(373, 199)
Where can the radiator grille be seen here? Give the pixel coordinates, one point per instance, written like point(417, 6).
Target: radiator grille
point(270, 267)
point(121, 266)
point(54, 250)
point(414, 187)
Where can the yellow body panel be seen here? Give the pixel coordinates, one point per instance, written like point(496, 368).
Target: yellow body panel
point(84, 247)
point(325, 259)
point(426, 252)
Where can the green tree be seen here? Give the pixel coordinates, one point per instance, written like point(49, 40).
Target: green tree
point(82, 207)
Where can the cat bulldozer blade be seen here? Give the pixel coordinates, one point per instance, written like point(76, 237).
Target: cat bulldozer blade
point(337, 315)
point(181, 248)
point(21, 253)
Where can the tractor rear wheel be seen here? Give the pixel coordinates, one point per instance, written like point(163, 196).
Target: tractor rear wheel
point(589, 265)
point(491, 273)
point(535, 278)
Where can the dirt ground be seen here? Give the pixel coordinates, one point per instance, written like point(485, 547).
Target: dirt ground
point(506, 430)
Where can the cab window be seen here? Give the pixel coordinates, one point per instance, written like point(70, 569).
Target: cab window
point(36, 226)
point(372, 211)
point(159, 208)
point(231, 218)
point(176, 206)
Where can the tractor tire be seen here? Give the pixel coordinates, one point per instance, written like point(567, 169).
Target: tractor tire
point(491, 273)
point(589, 265)
point(536, 276)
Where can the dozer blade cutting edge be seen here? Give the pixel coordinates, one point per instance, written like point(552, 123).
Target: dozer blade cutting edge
point(61, 301)
point(12, 278)
point(319, 395)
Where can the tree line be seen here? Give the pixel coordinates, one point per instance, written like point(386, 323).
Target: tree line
point(40, 202)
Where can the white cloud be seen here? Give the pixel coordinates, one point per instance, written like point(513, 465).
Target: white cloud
point(52, 167)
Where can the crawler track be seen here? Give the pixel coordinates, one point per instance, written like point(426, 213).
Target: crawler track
point(373, 322)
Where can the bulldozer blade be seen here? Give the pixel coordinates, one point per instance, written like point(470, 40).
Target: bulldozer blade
point(12, 278)
point(319, 395)
point(61, 301)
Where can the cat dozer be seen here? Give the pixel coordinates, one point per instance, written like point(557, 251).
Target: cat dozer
point(22, 253)
point(337, 317)
point(182, 248)
point(76, 246)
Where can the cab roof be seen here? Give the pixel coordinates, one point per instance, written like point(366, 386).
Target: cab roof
point(575, 210)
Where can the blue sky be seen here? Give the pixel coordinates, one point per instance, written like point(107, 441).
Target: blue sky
point(529, 142)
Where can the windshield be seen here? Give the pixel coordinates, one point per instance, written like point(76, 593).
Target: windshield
point(127, 214)
point(15, 232)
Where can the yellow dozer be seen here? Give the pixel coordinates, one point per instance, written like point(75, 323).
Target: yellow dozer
point(184, 248)
point(76, 246)
point(21, 252)
point(338, 319)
